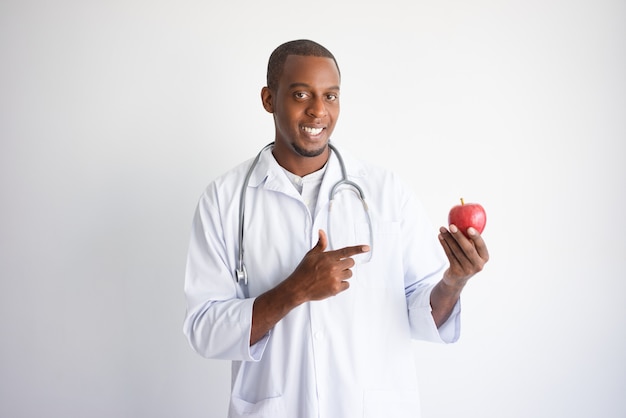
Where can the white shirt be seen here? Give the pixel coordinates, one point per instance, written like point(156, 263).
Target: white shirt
point(345, 356)
point(308, 186)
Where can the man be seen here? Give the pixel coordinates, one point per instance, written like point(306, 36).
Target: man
point(313, 333)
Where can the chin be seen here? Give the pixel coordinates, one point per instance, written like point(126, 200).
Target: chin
point(310, 152)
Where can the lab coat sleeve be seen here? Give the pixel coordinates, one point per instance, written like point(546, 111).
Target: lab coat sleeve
point(423, 325)
point(425, 263)
point(218, 320)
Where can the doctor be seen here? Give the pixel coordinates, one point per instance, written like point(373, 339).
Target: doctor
point(326, 328)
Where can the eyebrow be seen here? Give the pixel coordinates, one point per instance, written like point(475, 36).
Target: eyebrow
point(305, 85)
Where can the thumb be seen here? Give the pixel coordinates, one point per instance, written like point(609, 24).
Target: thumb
point(322, 242)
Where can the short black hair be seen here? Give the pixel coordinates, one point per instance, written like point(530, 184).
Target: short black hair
point(302, 47)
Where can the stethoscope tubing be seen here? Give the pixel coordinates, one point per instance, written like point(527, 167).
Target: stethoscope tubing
point(241, 274)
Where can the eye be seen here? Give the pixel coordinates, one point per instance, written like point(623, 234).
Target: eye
point(300, 95)
point(331, 97)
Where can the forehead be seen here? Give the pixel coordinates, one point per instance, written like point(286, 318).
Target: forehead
point(319, 72)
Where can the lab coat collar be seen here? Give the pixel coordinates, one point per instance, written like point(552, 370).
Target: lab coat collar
point(270, 174)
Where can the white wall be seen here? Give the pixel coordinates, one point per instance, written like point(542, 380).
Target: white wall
point(115, 114)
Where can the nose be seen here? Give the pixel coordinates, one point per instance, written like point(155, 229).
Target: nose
point(317, 108)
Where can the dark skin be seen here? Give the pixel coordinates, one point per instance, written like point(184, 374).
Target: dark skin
point(467, 256)
point(305, 106)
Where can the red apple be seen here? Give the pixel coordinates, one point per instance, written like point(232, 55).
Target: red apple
point(466, 215)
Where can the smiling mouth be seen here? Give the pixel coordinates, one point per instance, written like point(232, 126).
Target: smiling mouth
point(312, 131)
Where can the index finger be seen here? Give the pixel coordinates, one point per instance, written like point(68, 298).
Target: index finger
point(346, 252)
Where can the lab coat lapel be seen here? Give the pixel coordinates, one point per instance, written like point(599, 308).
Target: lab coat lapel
point(270, 176)
point(333, 174)
point(331, 177)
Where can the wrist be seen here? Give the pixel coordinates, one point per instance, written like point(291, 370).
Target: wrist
point(452, 285)
point(290, 294)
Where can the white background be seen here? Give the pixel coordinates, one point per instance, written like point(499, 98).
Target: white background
point(114, 115)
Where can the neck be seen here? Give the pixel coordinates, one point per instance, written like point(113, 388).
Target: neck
point(301, 165)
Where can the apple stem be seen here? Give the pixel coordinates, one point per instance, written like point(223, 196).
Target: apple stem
point(462, 202)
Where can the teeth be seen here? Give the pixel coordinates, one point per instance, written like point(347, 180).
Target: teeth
point(312, 131)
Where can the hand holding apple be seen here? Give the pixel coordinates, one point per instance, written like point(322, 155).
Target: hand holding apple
point(468, 215)
point(466, 254)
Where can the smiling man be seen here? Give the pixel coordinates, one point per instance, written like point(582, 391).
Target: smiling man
point(310, 332)
point(304, 100)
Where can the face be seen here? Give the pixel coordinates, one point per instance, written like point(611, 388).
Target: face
point(305, 106)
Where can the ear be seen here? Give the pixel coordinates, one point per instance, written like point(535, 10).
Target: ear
point(267, 98)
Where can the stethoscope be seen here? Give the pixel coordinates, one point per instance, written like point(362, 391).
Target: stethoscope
point(241, 274)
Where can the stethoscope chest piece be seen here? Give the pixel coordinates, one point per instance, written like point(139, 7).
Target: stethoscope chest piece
point(241, 274)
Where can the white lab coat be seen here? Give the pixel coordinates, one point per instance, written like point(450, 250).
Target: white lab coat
point(346, 356)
